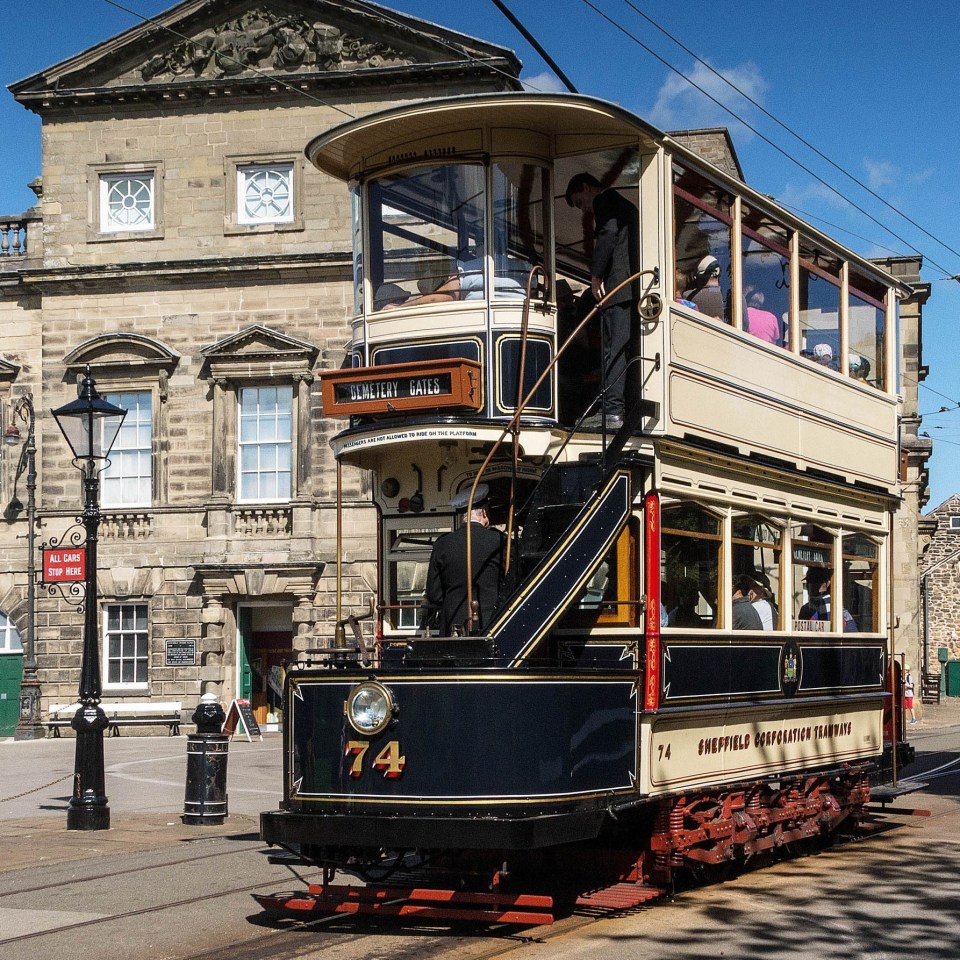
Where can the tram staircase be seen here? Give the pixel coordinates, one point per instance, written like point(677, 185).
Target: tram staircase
point(574, 517)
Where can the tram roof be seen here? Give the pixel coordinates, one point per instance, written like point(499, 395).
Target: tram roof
point(572, 122)
point(341, 151)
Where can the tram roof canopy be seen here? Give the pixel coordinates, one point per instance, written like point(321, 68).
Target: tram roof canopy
point(568, 121)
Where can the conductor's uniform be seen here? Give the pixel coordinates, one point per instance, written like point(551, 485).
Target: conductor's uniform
point(446, 590)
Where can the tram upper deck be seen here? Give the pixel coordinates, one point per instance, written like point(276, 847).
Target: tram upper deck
point(470, 270)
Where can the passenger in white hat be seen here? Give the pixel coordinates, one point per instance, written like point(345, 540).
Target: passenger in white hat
point(704, 290)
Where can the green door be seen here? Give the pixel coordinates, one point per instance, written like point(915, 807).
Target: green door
point(11, 673)
point(953, 678)
point(245, 626)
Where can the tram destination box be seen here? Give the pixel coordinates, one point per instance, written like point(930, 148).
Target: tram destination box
point(361, 391)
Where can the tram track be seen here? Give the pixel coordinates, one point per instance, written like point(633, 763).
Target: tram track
point(99, 877)
point(128, 914)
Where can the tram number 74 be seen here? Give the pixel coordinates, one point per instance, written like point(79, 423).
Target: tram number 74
point(389, 759)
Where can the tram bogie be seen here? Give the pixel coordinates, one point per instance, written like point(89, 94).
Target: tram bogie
point(611, 721)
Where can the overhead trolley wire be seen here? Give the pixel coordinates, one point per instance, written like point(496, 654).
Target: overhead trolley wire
point(810, 146)
point(761, 135)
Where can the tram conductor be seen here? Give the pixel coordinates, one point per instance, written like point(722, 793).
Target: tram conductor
point(616, 232)
point(446, 592)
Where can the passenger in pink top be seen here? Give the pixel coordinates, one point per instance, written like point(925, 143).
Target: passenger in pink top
point(761, 323)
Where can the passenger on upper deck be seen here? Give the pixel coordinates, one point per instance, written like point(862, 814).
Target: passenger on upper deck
point(446, 591)
point(465, 284)
point(758, 322)
point(616, 232)
point(704, 290)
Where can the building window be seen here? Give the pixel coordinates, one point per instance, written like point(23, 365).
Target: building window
point(125, 645)
point(265, 194)
point(955, 523)
point(9, 635)
point(127, 480)
point(266, 443)
point(127, 202)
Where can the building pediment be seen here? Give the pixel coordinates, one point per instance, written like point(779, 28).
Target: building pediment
point(124, 350)
point(8, 370)
point(256, 350)
point(202, 42)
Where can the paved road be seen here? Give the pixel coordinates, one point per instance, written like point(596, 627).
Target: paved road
point(164, 890)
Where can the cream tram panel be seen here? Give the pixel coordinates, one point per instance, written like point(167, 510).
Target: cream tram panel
point(420, 149)
point(697, 750)
point(726, 388)
point(407, 323)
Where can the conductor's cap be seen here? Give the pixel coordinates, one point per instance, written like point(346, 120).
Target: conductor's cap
point(462, 500)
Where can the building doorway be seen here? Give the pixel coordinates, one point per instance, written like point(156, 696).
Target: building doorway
point(264, 647)
point(11, 673)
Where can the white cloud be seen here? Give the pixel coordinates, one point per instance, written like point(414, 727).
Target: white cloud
point(545, 82)
point(880, 173)
point(680, 105)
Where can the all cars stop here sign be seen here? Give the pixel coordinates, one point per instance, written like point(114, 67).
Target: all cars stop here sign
point(61, 566)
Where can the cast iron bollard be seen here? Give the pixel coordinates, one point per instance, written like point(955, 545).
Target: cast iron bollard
point(205, 798)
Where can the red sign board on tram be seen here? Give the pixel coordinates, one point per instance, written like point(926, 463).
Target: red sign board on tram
point(64, 566)
point(399, 387)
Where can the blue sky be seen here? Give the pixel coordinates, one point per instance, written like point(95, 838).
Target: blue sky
point(874, 87)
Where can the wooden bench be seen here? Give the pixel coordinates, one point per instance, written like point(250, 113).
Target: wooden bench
point(121, 714)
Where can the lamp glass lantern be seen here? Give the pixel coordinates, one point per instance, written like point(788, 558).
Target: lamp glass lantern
point(90, 424)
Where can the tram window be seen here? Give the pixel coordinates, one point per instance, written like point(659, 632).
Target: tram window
point(866, 328)
point(702, 217)
point(423, 222)
point(537, 359)
point(690, 542)
point(813, 566)
point(861, 572)
point(356, 206)
point(819, 317)
point(450, 350)
point(406, 561)
point(756, 553)
point(519, 226)
point(609, 595)
point(765, 252)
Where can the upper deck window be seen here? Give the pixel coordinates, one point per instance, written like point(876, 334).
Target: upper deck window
point(765, 252)
point(519, 225)
point(819, 317)
point(703, 215)
point(866, 326)
point(426, 235)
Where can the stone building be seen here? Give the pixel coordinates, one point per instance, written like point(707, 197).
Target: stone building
point(910, 531)
point(184, 249)
point(940, 587)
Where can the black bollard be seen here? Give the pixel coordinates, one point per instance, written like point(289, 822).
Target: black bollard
point(205, 798)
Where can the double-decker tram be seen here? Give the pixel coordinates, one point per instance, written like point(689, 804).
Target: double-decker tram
point(687, 662)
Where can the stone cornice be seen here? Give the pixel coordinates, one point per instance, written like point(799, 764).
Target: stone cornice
point(260, 269)
point(306, 88)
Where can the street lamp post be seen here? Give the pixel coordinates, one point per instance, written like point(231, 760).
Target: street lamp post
point(90, 425)
point(29, 724)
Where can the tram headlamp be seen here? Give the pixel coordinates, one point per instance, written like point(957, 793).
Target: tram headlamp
point(370, 708)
